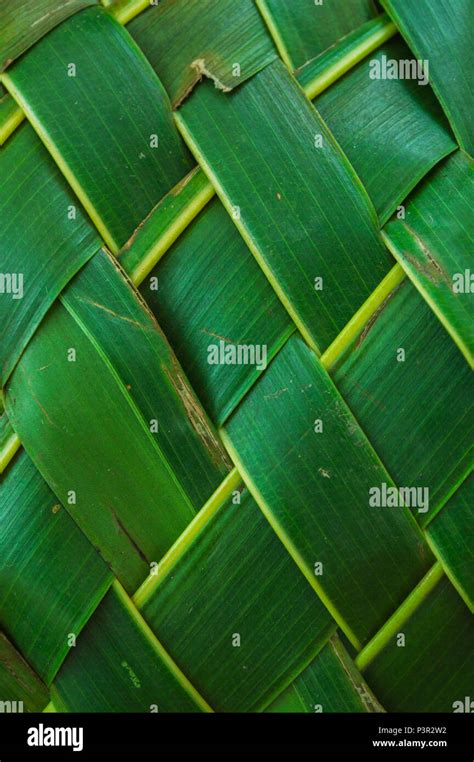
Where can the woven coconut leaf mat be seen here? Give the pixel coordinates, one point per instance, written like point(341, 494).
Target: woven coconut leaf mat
point(236, 345)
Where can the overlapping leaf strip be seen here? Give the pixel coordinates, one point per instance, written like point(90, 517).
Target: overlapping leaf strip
point(141, 572)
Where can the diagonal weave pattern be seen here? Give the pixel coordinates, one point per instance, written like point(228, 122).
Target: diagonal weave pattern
point(236, 311)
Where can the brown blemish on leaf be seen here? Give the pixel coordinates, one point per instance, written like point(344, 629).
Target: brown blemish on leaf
point(364, 694)
point(9, 664)
point(200, 67)
point(432, 270)
point(218, 336)
point(183, 183)
point(275, 395)
point(136, 323)
point(123, 530)
point(153, 323)
point(196, 415)
point(35, 399)
point(373, 318)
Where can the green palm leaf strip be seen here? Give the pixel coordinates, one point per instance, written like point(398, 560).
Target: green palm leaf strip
point(183, 536)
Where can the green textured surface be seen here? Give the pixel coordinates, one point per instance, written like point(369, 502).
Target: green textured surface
point(393, 131)
point(330, 683)
point(303, 211)
point(116, 666)
point(217, 34)
point(434, 245)
point(313, 511)
point(164, 224)
point(215, 591)
point(450, 535)
point(18, 682)
point(135, 505)
point(416, 413)
point(291, 598)
point(440, 32)
point(435, 667)
point(306, 28)
point(24, 22)
point(104, 142)
point(40, 605)
point(35, 206)
point(243, 309)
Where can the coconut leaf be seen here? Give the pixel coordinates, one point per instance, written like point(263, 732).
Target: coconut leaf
point(237, 653)
point(440, 34)
point(9, 442)
point(218, 36)
point(438, 259)
point(312, 554)
point(315, 437)
point(119, 665)
point(11, 116)
point(331, 683)
point(303, 28)
point(242, 143)
point(23, 23)
point(57, 231)
point(416, 412)
point(40, 540)
point(18, 682)
point(160, 440)
point(437, 643)
point(319, 73)
point(143, 150)
point(244, 310)
point(393, 131)
point(449, 535)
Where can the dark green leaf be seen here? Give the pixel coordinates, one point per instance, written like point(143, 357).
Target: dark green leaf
point(440, 33)
point(118, 665)
point(393, 131)
point(103, 145)
point(218, 36)
point(304, 28)
point(23, 23)
point(208, 613)
point(52, 577)
point(300, 208)
point(416, 411)
point(370, 557)
point(433, 243)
